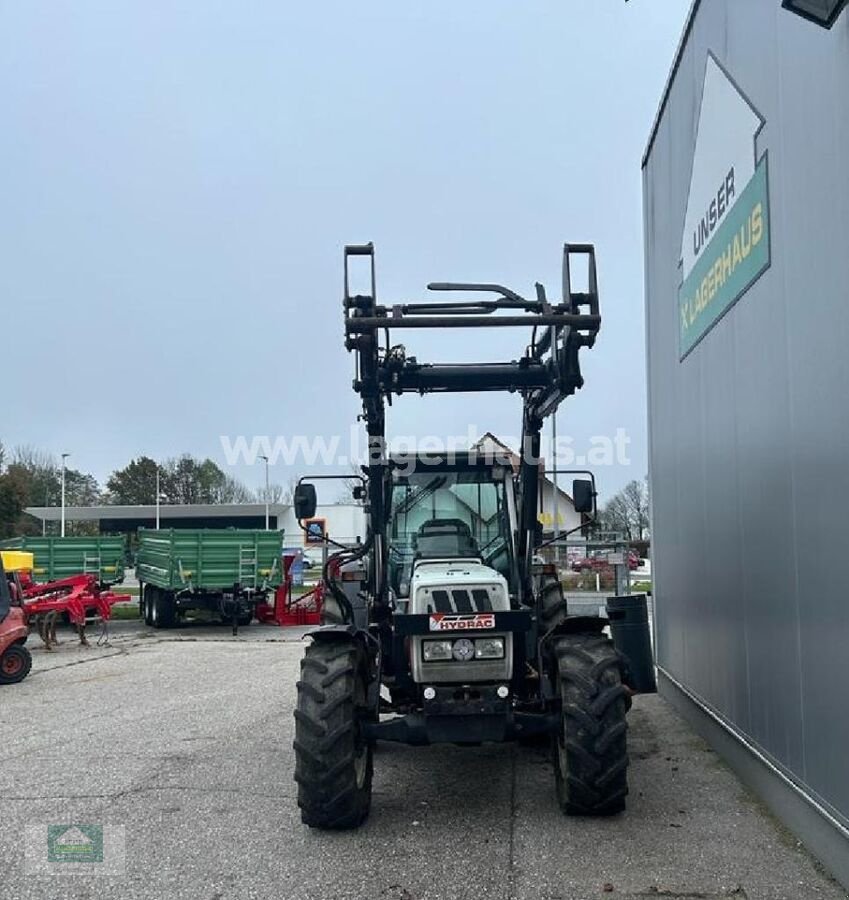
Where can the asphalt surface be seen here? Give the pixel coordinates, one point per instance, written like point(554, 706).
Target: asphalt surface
point(184, 741)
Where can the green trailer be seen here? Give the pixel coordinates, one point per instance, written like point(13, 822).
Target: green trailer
point(224, 571)
point(60, 557)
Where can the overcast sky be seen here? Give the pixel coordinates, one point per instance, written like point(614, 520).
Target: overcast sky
point(178, 179)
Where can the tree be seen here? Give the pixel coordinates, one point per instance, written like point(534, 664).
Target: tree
point(636, 497)
point(182, 480)
point(628, 511)
point(230, 490)
point(81, 489)
point(33, 478)
point(277, 493)
point(614, 516)
point(135, 484)
point(14, 497)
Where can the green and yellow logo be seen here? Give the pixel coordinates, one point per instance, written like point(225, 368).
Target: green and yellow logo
point(735, 258)
point(75, 843)
point(726, 242)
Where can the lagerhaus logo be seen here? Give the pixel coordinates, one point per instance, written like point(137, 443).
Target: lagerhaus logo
point(75, 843)
point(725, 247)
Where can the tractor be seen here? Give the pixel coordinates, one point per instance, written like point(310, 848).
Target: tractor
point(442, 626)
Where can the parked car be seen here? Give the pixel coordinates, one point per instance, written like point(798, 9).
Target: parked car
point(598, 562)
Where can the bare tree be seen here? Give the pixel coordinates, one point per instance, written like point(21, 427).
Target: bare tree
point(628, 511)
point(277, 493)
point(636, 497)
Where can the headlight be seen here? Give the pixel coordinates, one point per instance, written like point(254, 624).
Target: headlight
point(489, 648)
point(434, 651)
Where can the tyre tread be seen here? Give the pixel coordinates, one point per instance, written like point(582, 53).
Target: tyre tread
point(594, 731)
point(326, 737)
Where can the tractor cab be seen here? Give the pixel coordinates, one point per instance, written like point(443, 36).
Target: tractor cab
point(15, 659)
point(444, 511)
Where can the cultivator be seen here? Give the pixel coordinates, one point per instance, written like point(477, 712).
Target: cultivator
point(79, 596)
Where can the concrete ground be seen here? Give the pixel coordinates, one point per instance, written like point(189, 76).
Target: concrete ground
point(184, 740)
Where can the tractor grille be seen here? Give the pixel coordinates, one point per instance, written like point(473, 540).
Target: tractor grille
point(459, 600)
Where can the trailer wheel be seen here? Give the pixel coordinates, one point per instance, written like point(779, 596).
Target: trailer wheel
point(162, 613)
point(245, 619)
point(15, 664)
point(147, 604)
point(590, 750)
point(552, 603)
point(334, 761)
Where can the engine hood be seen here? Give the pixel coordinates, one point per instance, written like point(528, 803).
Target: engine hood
point(457, 586)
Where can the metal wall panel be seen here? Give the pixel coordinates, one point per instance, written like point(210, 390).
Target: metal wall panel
point(749, 434)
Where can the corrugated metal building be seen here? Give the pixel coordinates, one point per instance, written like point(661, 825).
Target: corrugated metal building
point(746, 208)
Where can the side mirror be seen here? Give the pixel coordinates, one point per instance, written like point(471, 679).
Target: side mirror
point(583, 495)
point(305, 500)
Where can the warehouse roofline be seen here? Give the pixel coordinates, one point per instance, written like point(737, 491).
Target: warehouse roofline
point(676, 62)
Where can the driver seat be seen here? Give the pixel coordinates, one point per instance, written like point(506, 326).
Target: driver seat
point(444, 537)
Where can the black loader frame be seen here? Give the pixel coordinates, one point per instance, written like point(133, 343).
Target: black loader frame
point(568, 679)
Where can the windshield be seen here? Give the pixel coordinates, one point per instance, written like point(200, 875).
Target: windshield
point(445, 515)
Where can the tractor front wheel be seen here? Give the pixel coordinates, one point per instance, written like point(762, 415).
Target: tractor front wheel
point(333, 758)
point(15, 664)
point(590, 750)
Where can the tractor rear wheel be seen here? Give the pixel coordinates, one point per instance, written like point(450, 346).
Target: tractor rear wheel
point(590, 750)
point(15, 664)
point(333, 759)
point(552, 603)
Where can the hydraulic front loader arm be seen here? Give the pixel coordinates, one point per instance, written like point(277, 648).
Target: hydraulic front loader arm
point(547, 373)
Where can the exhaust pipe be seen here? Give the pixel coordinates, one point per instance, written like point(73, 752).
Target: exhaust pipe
point(629, 627)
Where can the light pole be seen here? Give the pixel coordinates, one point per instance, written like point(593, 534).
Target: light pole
point(62, 529)
point(266, 492)
point(157, 497)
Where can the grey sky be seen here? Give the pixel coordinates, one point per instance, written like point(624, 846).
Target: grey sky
point(178, 180)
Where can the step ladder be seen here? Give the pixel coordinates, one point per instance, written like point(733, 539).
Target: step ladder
point(248, 567)
point(91, 566)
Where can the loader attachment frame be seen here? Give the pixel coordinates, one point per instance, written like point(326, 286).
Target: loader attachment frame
point(547, 372)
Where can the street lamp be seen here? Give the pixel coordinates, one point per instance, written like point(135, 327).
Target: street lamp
point(62, 529)
point(823, 12)
point(267, 492)
point(158, 497)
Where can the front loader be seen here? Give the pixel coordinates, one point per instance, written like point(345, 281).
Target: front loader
point(440, 627)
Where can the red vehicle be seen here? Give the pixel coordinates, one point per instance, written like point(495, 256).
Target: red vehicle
point(15, 659)
point(598, 562)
